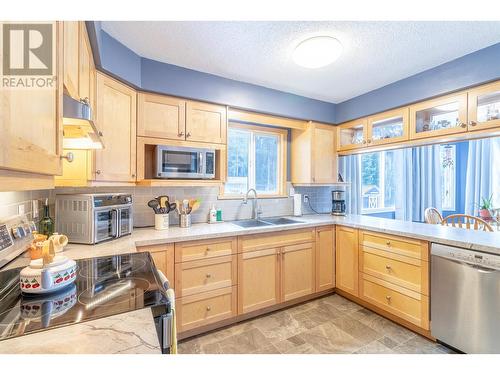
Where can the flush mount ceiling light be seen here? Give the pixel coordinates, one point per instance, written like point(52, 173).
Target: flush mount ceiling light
point(317, 52)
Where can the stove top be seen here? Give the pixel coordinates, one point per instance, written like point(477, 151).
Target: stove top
point(104, 286)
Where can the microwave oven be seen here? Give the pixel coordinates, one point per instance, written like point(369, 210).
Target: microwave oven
point(184, 162)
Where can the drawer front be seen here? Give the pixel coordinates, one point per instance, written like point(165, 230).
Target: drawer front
point(406, 304)
point(205, 308)
point(195, 250)
point(394, 244)
point(404, 271)
point(204, 275)
point(275, 239)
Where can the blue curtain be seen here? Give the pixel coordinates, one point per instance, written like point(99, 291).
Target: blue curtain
point(349, 168)
point(479, 181)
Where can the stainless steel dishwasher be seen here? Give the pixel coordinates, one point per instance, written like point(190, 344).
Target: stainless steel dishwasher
point(465, 299)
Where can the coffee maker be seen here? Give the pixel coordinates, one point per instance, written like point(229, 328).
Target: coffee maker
point(338, 202)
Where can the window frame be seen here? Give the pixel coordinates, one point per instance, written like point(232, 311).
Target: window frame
point(453, 178)
point(282, 159)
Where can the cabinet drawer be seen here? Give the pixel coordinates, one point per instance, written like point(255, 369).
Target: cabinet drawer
point(205, 308)
point(406, 304)
point(205, 275)
point(404, 271)
point(275, 239)
point(395, 244)
point(195, 250)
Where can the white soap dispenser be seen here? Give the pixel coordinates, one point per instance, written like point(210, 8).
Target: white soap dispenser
point(213, 215)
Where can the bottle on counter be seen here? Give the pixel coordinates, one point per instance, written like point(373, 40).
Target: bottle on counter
point(212, 215)
point(46, 226)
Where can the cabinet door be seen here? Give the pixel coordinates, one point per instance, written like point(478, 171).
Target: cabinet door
point(324, 158)
point(346, 259)
point(352, 135)
point(258, 279)
point(86, 67)
point(325, 258)
point(297, 271)
point(163, 257)
point(78, 172)
point(161, 116)
point(441, 116)
point(206, 122)
point(31, 122)
point(71, 55)
point(388, 127)
point(484, 107)
point(116, 119)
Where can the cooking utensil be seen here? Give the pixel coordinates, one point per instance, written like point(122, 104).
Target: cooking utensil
point(185, 206)
point(154, 204)
point(195, 206)
point(172, 206)
point(163, 200)
point(178, 206)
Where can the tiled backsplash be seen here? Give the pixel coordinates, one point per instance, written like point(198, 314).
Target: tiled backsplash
point(232, 209)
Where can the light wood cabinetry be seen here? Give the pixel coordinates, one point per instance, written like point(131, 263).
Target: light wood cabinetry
point(484, 107)
point(325, 258)
point(346, 259)
point(161, 116)
point(276, 239)
point(86, 71)
point(31, 126)
point(388, 127)
point(71, 57)
point(204, 249)
point(314, 159)
point(206, 122)
point(352, 135)
point(116, 119)
point(163, 257)
point(258, 279)
point(298, 271)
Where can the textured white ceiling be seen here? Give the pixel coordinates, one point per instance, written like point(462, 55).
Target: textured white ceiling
point(375, 53)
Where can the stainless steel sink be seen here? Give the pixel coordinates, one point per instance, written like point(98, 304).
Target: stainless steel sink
point(252, 223)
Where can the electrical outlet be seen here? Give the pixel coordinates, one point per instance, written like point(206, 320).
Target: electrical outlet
point(306, 198)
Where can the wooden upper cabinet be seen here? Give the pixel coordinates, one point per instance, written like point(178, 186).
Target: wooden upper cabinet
point(484, 107)
point(116, 119)
point(346, 259)
point(31, 122)
point(352, 135)
point(206, 122)
point(161, 116)
point(325, 258)
point(441, 116)
point(298, 271)
point(86, 75)
point(388, 127)
point(314, 160)
point(71, 57)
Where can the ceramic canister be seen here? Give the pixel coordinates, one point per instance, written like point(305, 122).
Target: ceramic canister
point(37, 279)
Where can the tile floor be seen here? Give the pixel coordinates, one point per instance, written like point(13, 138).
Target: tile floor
point(330, 324)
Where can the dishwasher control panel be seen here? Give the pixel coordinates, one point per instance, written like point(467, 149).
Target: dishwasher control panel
point(468, 256)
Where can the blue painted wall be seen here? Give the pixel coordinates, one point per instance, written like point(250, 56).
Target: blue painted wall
point(469, 70)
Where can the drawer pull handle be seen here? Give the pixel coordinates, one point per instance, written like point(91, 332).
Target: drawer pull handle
point(208, 249)
point(388, 268)
point(209, 308)
point(388, 298)
point(208, 275)
point(388, 243)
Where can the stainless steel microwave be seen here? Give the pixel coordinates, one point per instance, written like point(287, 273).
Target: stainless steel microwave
point(184, 162)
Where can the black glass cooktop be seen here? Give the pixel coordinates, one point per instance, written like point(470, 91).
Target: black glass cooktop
point(104, 286)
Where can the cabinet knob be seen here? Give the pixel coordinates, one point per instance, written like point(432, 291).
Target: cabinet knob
point(472, 123)
point(388, 298)
point(181, 134)
point(209, 308)
point(98, 171)
point(100, 133)
point(208, 276)
point(364, 141)
point(388, 268)
point(208, 249)
point(369, 141)
point(463, 124)
point(69, 157)
point(188, 134)
point(388, 243)
point(133, 175)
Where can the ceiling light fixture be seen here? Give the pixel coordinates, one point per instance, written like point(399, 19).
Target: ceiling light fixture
point(317, 52)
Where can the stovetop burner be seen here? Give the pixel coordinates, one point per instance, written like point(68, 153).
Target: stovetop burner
point(104, 286)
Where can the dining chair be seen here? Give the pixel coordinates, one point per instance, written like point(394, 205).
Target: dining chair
point(432, 216)
point(467, 222)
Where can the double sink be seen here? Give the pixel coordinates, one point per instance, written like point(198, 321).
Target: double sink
point(253, 223)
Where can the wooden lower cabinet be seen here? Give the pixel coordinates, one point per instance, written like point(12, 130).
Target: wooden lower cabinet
point(258, 279)
point(163, 257)
point(325, 258)
point(297, 271)
point(205, 308)
point(346, 258)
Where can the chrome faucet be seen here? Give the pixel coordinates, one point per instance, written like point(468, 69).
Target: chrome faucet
point(256, 210)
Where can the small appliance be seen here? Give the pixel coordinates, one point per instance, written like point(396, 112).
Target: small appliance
point(93, 218)
point(184, 162)
point(338, 202)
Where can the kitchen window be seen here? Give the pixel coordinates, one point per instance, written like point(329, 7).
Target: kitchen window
point(448, 158)
point(378, 185)
point(256, 158)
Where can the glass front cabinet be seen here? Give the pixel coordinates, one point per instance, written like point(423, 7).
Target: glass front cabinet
point(484, 107)
point(352, 135)
point(388, 127)
point(441, 116)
